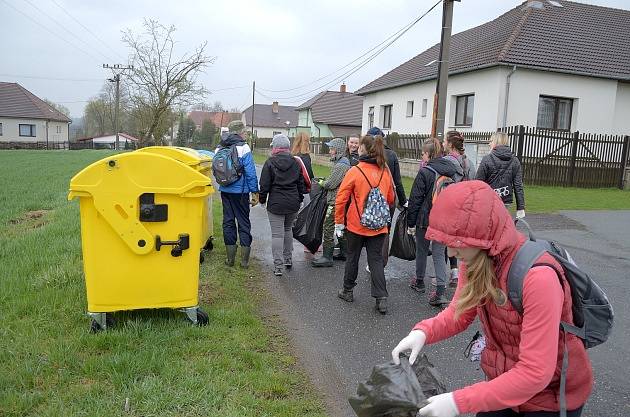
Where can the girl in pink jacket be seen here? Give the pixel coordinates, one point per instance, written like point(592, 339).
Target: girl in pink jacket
point(523, 355)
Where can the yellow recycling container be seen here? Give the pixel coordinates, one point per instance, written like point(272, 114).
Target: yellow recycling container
point(141, 233)
point(198, 162)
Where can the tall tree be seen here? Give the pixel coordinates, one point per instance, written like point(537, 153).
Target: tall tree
point(208, 130)
point(59, 107)
point(160, 81)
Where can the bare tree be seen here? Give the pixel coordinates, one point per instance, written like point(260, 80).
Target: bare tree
point(59, 107)
point(159, 80)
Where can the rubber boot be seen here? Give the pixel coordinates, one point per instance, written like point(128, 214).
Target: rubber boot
point(326, 260)
point(342, 251)
point(245, 251)
point(231, 254)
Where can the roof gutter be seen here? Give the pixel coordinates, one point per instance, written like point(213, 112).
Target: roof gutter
point(507, 96)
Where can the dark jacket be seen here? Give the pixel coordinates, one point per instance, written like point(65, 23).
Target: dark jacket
point(421, 197)
point(306, 158)
point(394, 168)
point(354, 158)
point(502, 171)
point(282, 184)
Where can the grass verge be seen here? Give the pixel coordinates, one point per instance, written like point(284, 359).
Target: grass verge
point(539, 199)
point(52, 366)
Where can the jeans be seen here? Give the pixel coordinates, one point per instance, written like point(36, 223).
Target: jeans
point(439, 261)
point(374, 248)
point(511, 413)
point(281, 236)
point(236, 212)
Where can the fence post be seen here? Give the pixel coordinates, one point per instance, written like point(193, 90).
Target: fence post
point(624, 160)
point(574, 146)
point(521, 141)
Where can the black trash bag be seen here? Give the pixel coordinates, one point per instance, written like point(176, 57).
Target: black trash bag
point(308, 227)
point(398, 390)
point(429, 378)
point(403, 244)
point(391, 391)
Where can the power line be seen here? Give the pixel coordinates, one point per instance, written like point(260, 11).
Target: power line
point(395, 35)
point(87, 29)
point(229, 88)
point(65, 29)
point(360, 65)
point(50, 31)
point(35, 77)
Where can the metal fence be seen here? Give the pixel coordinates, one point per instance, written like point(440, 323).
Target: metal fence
point(47, 145)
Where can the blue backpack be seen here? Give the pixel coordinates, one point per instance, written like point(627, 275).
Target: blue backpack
point(225, 165)
point(376, 211)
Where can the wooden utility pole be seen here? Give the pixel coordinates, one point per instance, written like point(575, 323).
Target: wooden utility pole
point(439, 101)
point(117, 69)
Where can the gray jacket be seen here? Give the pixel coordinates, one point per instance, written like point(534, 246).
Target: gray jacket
point(332, 183)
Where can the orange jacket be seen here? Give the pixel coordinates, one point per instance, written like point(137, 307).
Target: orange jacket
point(353, 192)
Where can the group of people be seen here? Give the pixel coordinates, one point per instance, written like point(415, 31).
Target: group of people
point(467, 226)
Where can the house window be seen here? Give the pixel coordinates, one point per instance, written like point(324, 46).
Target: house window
point(58, 129)
point(425, 104)
point(0, 129)
point(464, 109)
point(27, 130)
point(276, 133)
point(386, 111)
point(410, 109)
point(554, 113)
point(371, 117)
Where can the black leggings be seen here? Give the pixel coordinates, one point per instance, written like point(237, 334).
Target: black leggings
point(511, 413)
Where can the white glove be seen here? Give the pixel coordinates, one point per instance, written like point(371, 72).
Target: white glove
point(339, 230)
point(406, 205)
point(411, 231)
point(414, 341)
point(442, 405)
point(520, 214)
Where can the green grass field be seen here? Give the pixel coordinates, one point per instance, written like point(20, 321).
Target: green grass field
point(52, 365)
point(539, 199)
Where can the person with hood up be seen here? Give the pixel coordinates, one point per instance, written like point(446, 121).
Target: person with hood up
point(420, 205)
point(350, 204)
point(341, 165)
point(502, 171)
point(522, 360)
point(282, 189)
point(236, 197)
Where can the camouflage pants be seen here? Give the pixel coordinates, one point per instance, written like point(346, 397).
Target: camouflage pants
point(329, 227)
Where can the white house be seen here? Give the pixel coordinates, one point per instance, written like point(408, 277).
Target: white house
point(270, 119)
point(26, 118)
point(564, 66)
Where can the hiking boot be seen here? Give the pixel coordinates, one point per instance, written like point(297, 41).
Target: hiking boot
point(437, 300)
point(288, 263)
point(245, 251)
point(326, 260)
point(346, 295)
point(231, 254)
point(381, 305)
point(417, 284)
point(454, 276)
point(278, 270)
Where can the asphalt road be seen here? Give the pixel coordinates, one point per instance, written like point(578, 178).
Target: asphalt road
point(339, 342)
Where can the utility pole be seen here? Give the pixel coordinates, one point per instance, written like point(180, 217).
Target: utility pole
point(439, 101)
point(253, 108)
point(117, 69)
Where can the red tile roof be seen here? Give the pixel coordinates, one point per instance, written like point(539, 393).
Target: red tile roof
point(218, 118)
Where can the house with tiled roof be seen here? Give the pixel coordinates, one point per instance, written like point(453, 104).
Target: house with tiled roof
point(25, 117)
point(553, 64)
point(331, 114)
point(219, 118)
point(269, 119)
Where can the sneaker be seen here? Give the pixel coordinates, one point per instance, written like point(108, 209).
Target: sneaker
point(381, 305)
point(417, 285)
point(433, 281)
point(346, 295)
point(288, 263)
point(437, 300)
point(278, 270)
point(454, 276)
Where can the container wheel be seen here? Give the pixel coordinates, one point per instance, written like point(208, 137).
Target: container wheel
point(96, 326)
point(202, 317)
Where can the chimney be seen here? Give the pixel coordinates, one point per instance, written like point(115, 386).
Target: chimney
point(274, 107)
point(342, 88)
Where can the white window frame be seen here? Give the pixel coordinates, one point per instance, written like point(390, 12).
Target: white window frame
point(370, 117)
point(466, 100)
point(385, 113)
point(425, 105)
point(410, 108)
point(0, 129)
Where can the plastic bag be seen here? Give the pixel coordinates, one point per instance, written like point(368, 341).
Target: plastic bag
point(397, 390)
point(403, 245)
point(309, 223)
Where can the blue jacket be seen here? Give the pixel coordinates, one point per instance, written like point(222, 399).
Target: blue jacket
point(248, 182)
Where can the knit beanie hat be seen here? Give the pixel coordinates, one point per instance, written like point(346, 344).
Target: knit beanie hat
point(236, 126)
point(375, 131)
point(338, 144)
point(280, 141)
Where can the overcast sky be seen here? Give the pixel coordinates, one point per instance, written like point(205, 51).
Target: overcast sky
point(281, 44)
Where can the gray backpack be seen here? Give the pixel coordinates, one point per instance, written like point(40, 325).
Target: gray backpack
point(593, 314)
